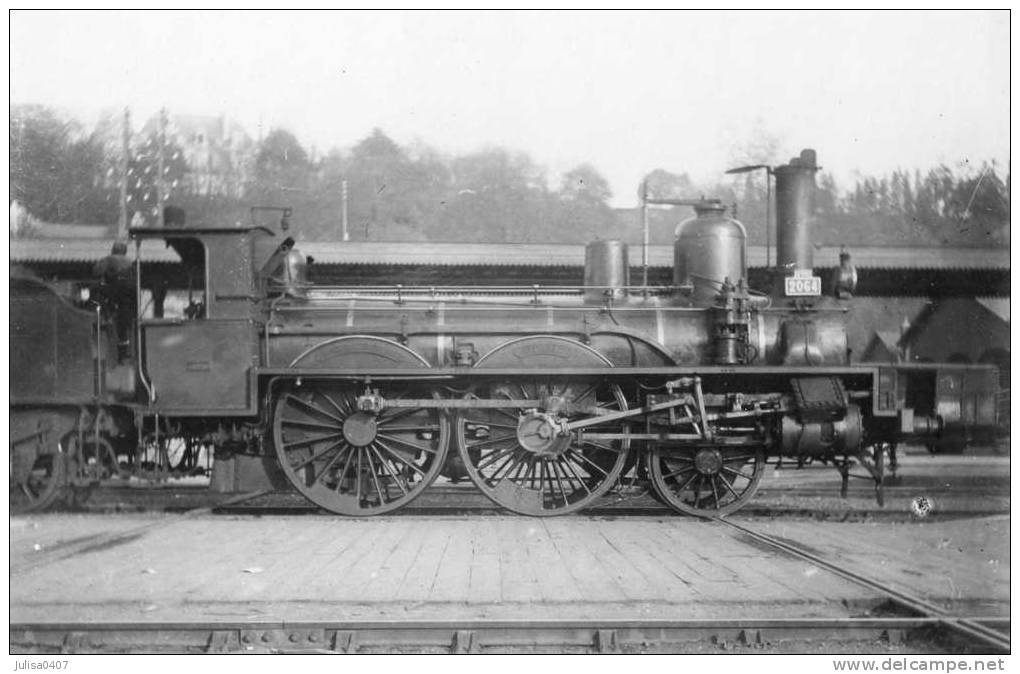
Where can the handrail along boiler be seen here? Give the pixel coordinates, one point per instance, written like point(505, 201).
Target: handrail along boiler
point(543, 396)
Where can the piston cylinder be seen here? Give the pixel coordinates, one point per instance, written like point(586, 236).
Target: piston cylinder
point(606, 271)
point(709, 250)
point(795, 199)
point(801, 439)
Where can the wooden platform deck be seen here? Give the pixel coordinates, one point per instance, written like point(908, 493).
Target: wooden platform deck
point(161, 568)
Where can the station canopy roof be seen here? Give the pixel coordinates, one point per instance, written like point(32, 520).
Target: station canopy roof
point(55, 250)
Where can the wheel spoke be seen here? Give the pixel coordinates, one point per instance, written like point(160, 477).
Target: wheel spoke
point(565, 465)
point(406, 443)
point(347, 465)
point(313, 408)
point(495, 456)
point(514, 417)
point(358, 478)
point(386, 466)
point(584, 394)
point(694, 474)
point(515, 468)
point(318, 455)
point(715, 493)
point(577, 455)
point(554, 468)
point(677, 472)
point(741, 473)
point(342, 412)
point(407, 429)
point(729, 487)
point(606, 448)
point(509, 459)
point(389, 450)
point(332, 462)
point(489, 441)
point(529, 475)
point(311, 441)
point(375, 478)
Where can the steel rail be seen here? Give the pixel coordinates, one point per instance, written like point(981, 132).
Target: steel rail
point(457, 636)
point(968, 627)
point(101, 541)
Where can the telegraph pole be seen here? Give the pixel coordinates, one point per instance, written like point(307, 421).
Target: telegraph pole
point(160, 184)
point(344, 236)
point(122, 223)
point(644, 236)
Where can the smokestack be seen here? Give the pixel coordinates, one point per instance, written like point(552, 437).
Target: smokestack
point(795, 207)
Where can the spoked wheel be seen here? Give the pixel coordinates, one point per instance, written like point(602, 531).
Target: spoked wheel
point(37, 460)
point(706, 481)
point(518, 457)
point(352, 462)
point(37, 488)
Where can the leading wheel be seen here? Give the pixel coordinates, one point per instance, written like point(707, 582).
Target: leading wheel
point(518, 457)
point(706, 481)
point(352, 462)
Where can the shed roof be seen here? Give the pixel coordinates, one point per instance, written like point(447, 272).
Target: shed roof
point(81, 250)
point(890, 338)
point(520, 254)
point(572, 255)
point(997, 305)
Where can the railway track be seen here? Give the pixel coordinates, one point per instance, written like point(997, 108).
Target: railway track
point(463, 499)
point(964, 629)
point(479, 636)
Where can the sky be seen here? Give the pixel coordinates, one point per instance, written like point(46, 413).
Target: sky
point(628, 92)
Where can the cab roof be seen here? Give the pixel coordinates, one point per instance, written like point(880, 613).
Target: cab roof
point(174, 232)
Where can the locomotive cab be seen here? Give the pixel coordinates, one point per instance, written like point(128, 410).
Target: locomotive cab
point(199, 363)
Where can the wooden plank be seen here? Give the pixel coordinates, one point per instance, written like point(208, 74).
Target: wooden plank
point(555, 582)
point(453, 578)
point(399, 564)
point(590, 577)
point(517, 580)
point(666, 581)
point(379, 571)
point(484, 581)
point(417, 583)
point(602, 540)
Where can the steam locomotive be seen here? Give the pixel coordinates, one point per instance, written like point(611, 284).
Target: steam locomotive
point(545, 397)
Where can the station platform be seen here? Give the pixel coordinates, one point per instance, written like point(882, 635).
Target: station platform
point(154, 567)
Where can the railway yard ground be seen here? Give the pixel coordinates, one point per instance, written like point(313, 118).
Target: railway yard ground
point(164, 570)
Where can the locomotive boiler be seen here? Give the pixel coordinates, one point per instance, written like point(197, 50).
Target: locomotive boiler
point(545, 397)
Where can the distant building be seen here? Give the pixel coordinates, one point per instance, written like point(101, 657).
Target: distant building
point(961, 330)
point(883, 348)
point(218, 151)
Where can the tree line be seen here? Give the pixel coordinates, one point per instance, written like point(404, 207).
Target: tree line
point(62, 172)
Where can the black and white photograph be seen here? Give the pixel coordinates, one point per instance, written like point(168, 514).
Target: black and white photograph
point(410, 332)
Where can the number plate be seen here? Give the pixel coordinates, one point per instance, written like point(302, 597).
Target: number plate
point(803, 286)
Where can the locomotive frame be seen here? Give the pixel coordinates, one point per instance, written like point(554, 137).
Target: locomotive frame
point(360, 397)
